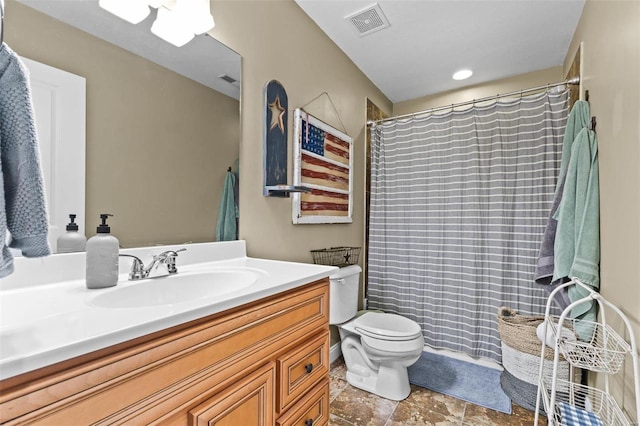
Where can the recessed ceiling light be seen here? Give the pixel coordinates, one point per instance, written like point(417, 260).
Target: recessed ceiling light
point(462, 74)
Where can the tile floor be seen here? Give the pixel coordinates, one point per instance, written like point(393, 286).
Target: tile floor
point(351, 406)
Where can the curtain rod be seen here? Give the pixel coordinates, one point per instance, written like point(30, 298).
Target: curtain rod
point(571, 81)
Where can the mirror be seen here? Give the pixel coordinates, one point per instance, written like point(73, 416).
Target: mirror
point(1, 20)
point(162, 123)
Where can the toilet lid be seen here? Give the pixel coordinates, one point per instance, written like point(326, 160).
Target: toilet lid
point(386, 326)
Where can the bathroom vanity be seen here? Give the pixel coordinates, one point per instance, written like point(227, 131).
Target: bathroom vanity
point(256, 356)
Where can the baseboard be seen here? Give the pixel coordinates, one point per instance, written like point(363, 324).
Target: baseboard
point(334, 352)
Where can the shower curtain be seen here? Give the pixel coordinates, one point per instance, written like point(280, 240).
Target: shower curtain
point(459, 202)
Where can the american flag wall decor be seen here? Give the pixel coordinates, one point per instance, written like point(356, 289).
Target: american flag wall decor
point(323, 162)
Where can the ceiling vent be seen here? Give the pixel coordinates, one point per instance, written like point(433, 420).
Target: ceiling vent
point(369, 20)
point(229, 79)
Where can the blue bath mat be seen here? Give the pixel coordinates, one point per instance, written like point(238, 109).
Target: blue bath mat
point(463, 380)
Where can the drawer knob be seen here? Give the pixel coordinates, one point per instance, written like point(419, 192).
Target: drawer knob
point(308, 422)
point(309, 369)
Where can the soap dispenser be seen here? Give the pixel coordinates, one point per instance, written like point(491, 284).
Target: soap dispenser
point(72, 240)
point(102, 257)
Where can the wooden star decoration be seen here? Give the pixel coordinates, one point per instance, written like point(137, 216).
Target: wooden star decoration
point(277, 114)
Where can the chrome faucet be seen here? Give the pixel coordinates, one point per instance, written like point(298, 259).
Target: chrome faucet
point(167, 258)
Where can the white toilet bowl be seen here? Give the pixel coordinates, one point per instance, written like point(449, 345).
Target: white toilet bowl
point(377, 357)
point(377, 347)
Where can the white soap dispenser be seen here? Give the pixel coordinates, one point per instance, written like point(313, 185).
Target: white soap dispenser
point(72, 240)
point(102, 257)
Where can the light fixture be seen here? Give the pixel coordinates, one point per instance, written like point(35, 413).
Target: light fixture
point(177, 21)
point(198, 16)
point(462, 74)
point(169, 27)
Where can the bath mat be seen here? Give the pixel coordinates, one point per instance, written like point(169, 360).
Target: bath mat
point(463, 380)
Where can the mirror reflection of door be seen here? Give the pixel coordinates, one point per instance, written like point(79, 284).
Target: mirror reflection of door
point(1, 20)
point(59, 104)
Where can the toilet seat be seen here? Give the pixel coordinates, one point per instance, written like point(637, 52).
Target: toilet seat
point(383, 326)
point(377, 348)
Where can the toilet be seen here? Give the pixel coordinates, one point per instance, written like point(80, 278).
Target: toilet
point(377, 347)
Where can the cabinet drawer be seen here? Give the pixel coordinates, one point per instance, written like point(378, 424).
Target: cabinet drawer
point(311, 410)
point(301, 368)
point(249, 402)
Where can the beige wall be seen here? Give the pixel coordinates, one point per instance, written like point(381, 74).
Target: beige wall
point(479, 91)
point(610, 34)
point(158, 144)
point(277, 40)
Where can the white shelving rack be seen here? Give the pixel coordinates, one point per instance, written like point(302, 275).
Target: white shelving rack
point(604, 353)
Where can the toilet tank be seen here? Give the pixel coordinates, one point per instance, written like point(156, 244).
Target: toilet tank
point(343, 298)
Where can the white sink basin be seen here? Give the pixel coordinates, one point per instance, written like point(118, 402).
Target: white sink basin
point(174, 289)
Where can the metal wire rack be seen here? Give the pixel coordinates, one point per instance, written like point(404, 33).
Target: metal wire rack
point(571, 403)
point(604, 352)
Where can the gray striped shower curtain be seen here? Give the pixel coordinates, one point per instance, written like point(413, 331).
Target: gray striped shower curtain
point(459, 203)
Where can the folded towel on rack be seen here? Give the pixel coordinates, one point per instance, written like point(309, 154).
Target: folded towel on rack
point(574, 416)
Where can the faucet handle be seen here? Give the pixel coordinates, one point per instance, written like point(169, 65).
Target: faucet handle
point(170, 261)
point(137, 267)
point(168, 254)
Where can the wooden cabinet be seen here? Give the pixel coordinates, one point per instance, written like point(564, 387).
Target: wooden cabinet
point(261, 363)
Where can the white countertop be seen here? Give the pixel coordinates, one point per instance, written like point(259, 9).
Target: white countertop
point(47, 314)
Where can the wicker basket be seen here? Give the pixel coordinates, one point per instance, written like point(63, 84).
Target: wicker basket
point(526, 367)
point(521, 393)
point(336, 256)
point(521, 351)
point(519, 332)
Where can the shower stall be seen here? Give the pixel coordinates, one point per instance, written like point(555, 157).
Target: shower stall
point(460, 197)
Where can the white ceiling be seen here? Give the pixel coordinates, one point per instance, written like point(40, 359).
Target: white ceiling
point(203, 59)
point(428, 40)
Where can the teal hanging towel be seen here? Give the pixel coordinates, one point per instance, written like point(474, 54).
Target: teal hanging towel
point(227, 226)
